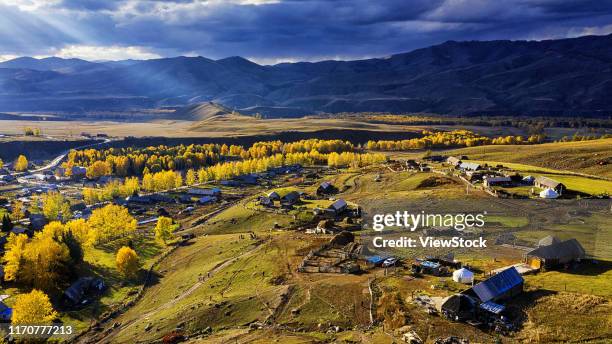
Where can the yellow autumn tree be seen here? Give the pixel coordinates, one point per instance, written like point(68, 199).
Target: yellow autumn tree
point(147, 182)
point(164, 229)
point(98, 169)
point(17, 212)
point(111, 221)
point(190, 177)
point(127, 262)
point(45, 259)
point(90, 196)
point(82, 231)
point(55, 205)
point(178, 180)
point(33, 308)
point(14, 256)
point(21, 164)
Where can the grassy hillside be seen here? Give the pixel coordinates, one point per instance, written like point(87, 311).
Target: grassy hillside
point(591, 157)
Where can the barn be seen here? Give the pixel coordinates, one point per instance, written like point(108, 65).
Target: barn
point(489, 181)
point(290, 199)
point(557, 253)
point(325, 188)
point(458, 307)
point(453, 161)
point(501, 286)
point(547, 183)
point(469, 166)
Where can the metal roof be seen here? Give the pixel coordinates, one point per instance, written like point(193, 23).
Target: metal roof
point(492, 307)
point(338, 205)
point(498, 284)
point(565, 251)
point(469, 166)
point(325, 185)
point(551, 183)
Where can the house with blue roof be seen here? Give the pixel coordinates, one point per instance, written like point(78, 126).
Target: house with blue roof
point(502, 286)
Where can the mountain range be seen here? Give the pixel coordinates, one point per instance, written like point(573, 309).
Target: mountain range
point(552, 77)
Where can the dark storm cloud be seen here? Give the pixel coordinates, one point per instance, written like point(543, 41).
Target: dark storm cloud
point(292, 29)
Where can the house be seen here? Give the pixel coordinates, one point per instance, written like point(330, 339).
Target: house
point(489, 181)
point(338, 206)
point(424, 168)
point(185, 199)
point(549, 193)
point(249, 179)
point(78, 172)
point(37, 221)
point(473, 176)
point(411, 164)
point(266, 201)
point(326, 188)
point(20, 230)
point(160, 198)
point(504, 285)
point(290, 199)
point(104, 180)
point(285, 169)
point(207, 200)
point(6, 313)
point(139, 199)
point(274, 196)
point(204, 192)
point(463, 275)
point(453, 161)
point(435, 158)
point(528, 180)
point(79, 206)
point(458, 307)
point(84, 286)
point(230, 183)
point(323, 227)
point(555, 254)
point(7, 178)
point(547, 183)
point(428, 267)
point(469, 166)
point(548, 240)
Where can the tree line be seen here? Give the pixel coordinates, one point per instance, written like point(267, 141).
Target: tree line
point(455, 138)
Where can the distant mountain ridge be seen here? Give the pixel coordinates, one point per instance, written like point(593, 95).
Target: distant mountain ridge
point(553, 77)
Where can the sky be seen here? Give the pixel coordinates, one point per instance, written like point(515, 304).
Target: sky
point(272, 31)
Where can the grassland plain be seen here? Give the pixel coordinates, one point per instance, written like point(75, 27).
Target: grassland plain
point(217, 127)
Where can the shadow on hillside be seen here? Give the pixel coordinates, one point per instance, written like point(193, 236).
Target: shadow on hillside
point(153, 278)
point(517, 308)
point(589, 268)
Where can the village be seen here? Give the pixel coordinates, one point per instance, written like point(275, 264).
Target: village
point(326, 207)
